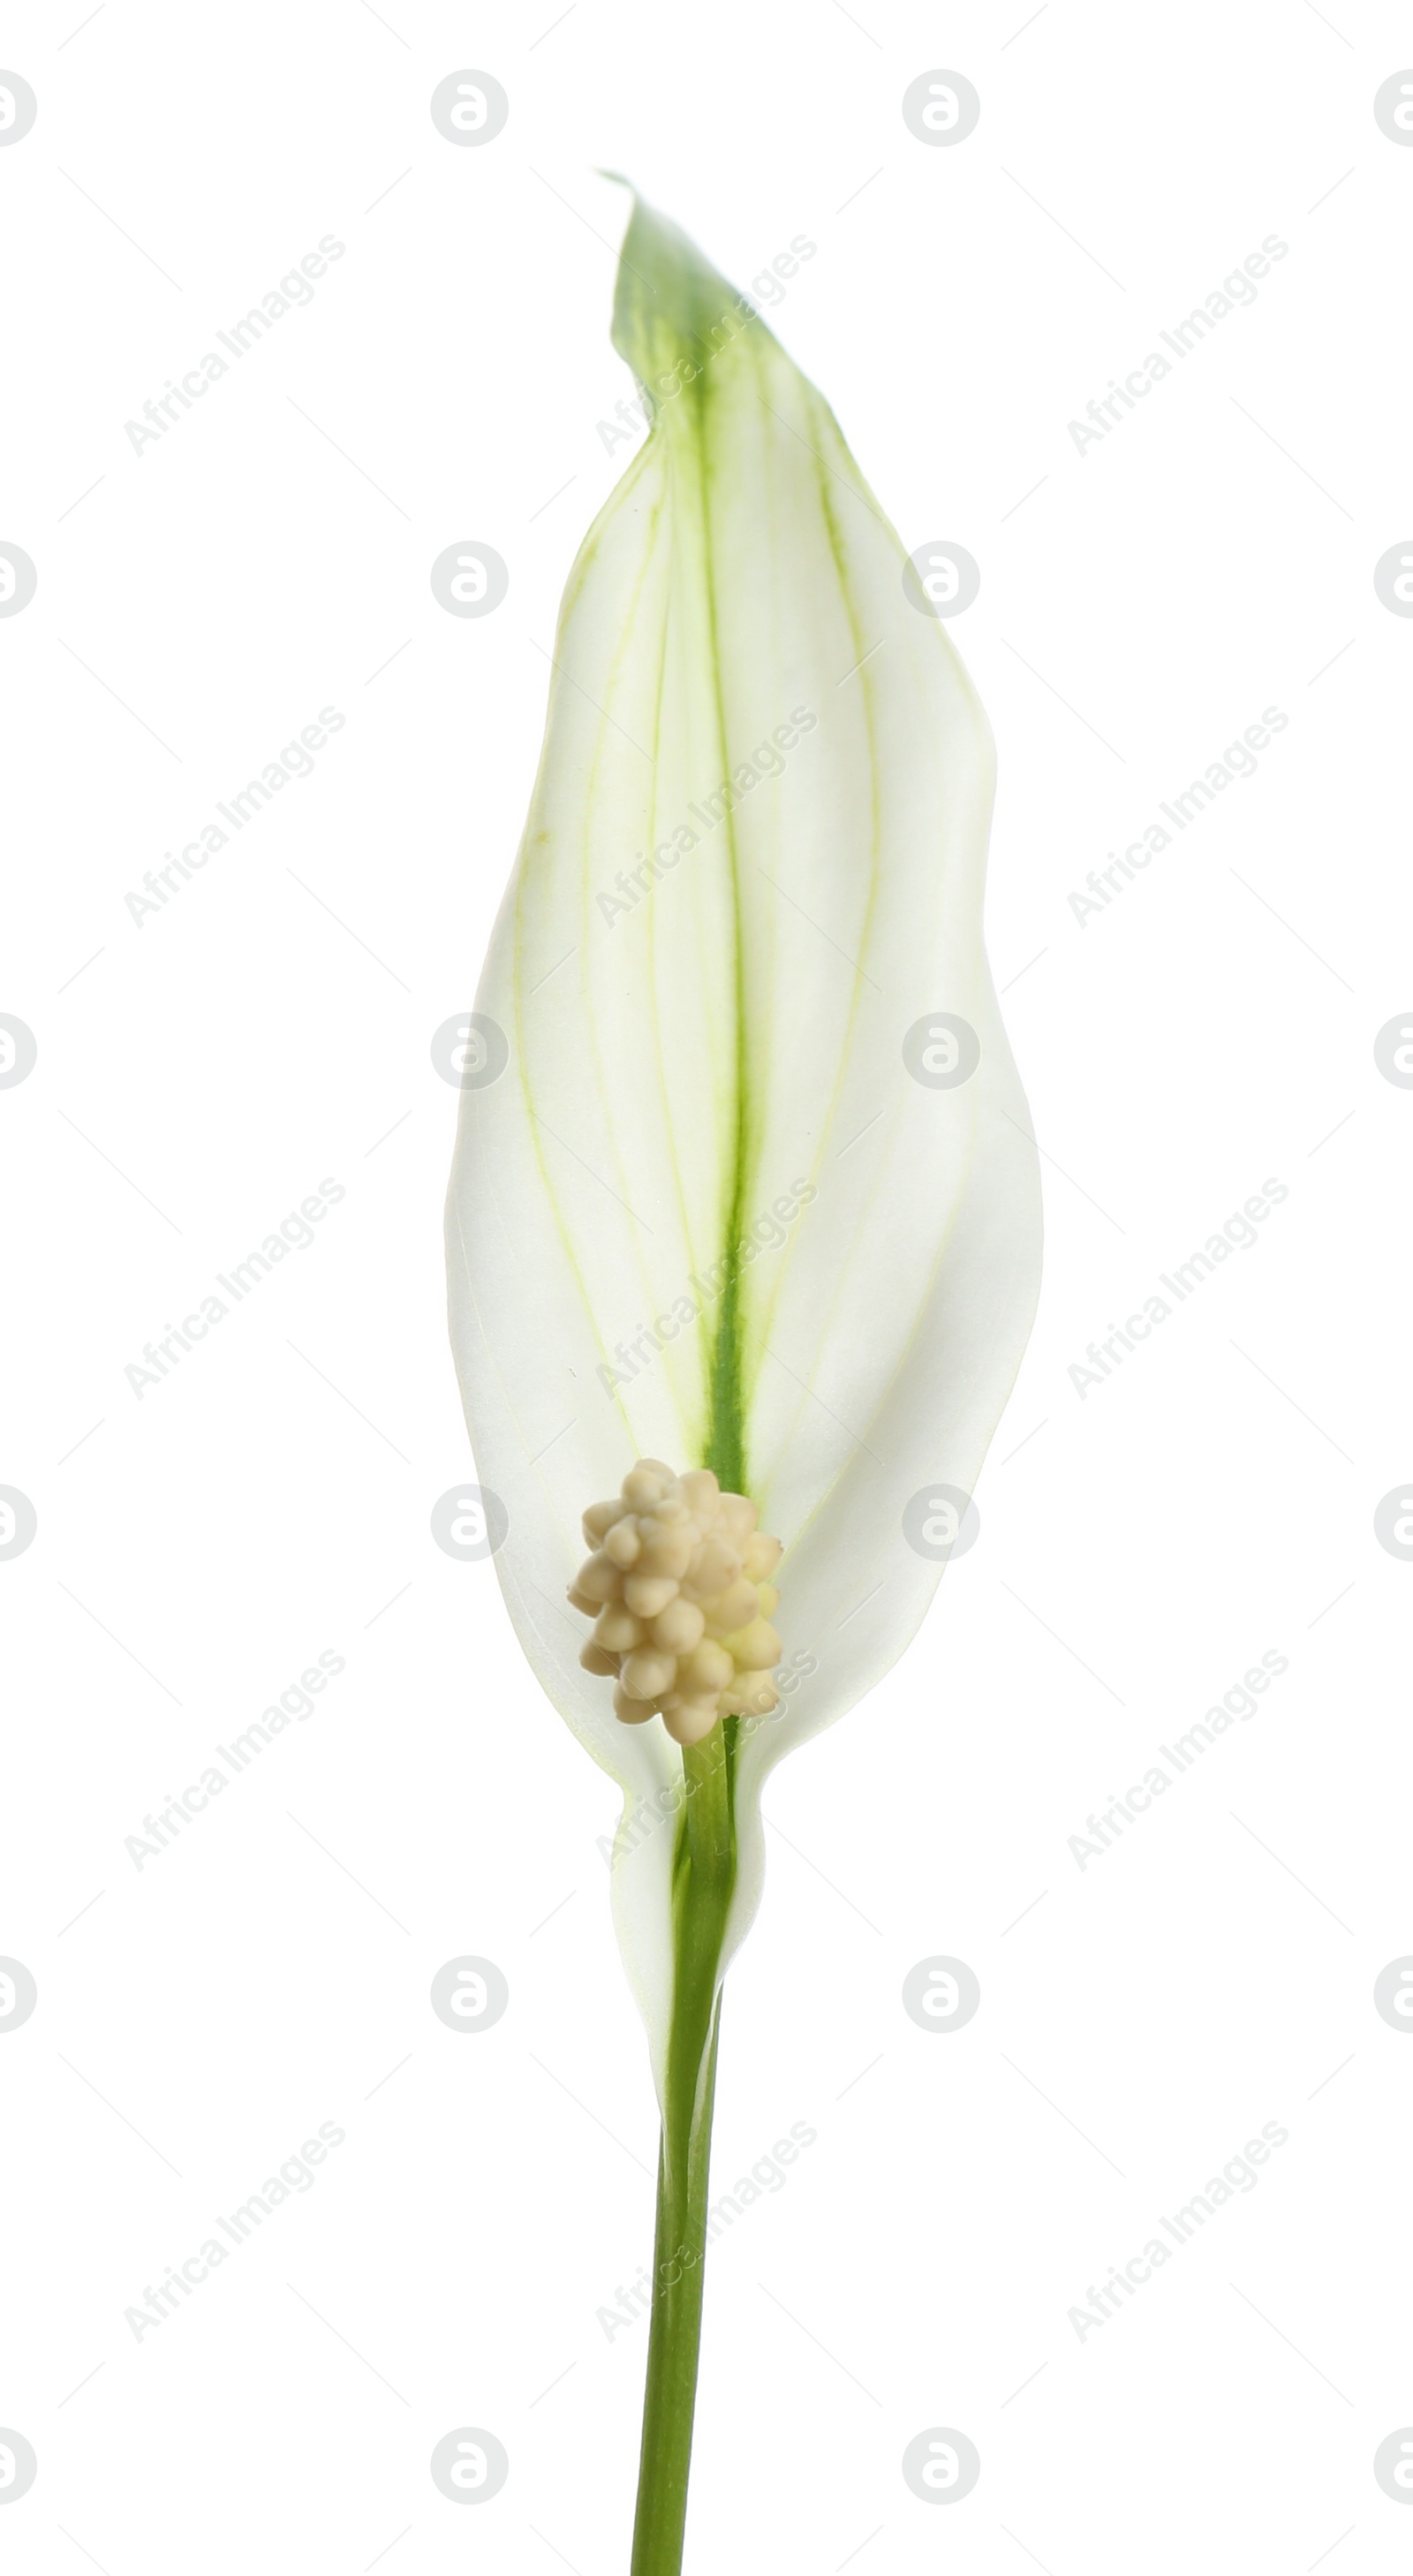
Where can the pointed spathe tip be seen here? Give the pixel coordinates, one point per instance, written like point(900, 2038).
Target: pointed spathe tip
point(672, 309)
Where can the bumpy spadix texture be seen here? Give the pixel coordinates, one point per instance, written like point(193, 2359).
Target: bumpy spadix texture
point(707, 1213)
point(677, 1591)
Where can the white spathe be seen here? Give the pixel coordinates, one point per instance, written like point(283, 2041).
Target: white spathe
point(706, 1057)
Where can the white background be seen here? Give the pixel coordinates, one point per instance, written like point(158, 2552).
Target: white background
point(1141, 1547)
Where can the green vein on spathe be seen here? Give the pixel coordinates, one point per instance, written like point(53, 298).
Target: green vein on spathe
point(687, 537)
point(725, 1451)
point(691, 1432)
point(668, 310)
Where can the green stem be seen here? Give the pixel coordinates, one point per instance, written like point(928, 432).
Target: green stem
point(704, 1870)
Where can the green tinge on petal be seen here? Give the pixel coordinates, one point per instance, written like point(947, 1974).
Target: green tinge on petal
point(707, 1213)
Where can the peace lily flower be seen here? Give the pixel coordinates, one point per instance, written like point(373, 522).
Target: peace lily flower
point(744, 1220)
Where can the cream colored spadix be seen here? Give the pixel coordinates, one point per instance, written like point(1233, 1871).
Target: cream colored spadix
point(678, 1589)
point(708, 1214)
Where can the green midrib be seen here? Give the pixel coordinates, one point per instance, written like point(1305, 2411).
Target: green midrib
point(725, 1450)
